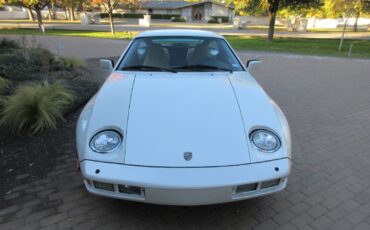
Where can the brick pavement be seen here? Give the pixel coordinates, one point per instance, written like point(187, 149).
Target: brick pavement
point(327, 102)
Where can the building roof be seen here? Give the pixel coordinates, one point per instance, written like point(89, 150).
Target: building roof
point(172, 5)
point(179, 32)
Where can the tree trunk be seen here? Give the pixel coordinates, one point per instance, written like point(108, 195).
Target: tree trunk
point(355, 27)
point(50, 16)
point(342, 38)
point(30, 14)
point(81, 7)
point(72, 13)
point(272, 17)
point(111, 22)
point(110, 12)
point(273, 8)
point(53, 12)
point(39, 20)
point(66, 12)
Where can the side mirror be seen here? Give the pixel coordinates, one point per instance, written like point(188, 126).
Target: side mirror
point(253, 65)
point(107, 64)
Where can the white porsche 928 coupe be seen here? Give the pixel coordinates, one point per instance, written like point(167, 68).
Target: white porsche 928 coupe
point(180, 121)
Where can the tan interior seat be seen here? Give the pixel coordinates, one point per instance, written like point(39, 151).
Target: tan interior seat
point(156, 57)
point(201, 52)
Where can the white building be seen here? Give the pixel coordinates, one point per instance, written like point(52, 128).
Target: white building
point(191, 11)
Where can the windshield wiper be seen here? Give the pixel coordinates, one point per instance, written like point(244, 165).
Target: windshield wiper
point(142, 67)
point(204, 67)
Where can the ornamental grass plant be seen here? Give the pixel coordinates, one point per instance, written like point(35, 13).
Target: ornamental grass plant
point(35, 107)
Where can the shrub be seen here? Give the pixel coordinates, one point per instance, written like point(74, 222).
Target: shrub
point(35, 107)
point(23, 64)
point(5, 86)
point(214, 19)
point(223, 18)
point(11, 63)
point(39, 59)
point(178, 19)
point(115, 15)
point(63, 74)
point(7, 45)
point(65, 62)
point(133, 15)
point(83, 88)
point(164, 16)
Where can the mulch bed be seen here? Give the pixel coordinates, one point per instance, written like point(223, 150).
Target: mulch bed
point(26, 158)
point(30, 157)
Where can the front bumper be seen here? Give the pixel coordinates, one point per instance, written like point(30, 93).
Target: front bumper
point(186, 186)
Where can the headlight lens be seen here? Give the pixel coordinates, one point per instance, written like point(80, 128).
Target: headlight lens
point(265, 140)
point(106, 141)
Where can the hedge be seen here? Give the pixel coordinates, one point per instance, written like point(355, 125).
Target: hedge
point(214, 19)
point(153, 16)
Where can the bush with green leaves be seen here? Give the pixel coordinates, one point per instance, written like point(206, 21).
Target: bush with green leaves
point(24, 64)
point(35, 107)
point(223, 18)
point(10, 63)
point(38, 58)
point(84, 88)
point(5, 86)
point(7, 45)
point(213, 20)
point(65, 62)
point(178, 19)
point(218, 19)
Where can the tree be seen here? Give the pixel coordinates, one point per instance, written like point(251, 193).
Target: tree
point(110, 5)
point(30, 14)
point(272, 7)
point(250, 7)
point(345, 9)
point(362, 6)
point(36, 5)
point(71, 6)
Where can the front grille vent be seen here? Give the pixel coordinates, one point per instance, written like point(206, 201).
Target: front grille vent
point(125, 189)
point(270, 183)
point(103, 186)
point(256, 186)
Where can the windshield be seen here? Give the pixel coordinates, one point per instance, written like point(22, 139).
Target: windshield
point(180, 54)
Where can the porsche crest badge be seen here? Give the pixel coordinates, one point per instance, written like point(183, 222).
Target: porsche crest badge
point(188, 156)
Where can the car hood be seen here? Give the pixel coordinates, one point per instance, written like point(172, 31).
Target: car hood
point(173, 115)
point(164, 116)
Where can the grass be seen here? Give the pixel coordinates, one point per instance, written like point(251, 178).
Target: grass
point(35, 107)
point(45, 21)
point(6, 44)
point(76, 33)
point(265, 28)
point(188, 25)
point(70, 62)
point(320, 47)
point(5, 86)
point(339, 29)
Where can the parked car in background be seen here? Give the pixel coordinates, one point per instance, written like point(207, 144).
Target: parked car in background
point(181, 121)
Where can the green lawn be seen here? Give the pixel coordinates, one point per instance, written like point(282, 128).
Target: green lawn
point(339, 29)
point(45, 21)
point(321, 47)
point(78, 33)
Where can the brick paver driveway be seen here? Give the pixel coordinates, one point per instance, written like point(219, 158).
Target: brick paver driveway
point(327, 102)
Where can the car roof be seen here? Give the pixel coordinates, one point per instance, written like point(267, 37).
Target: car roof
point(179, 32)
